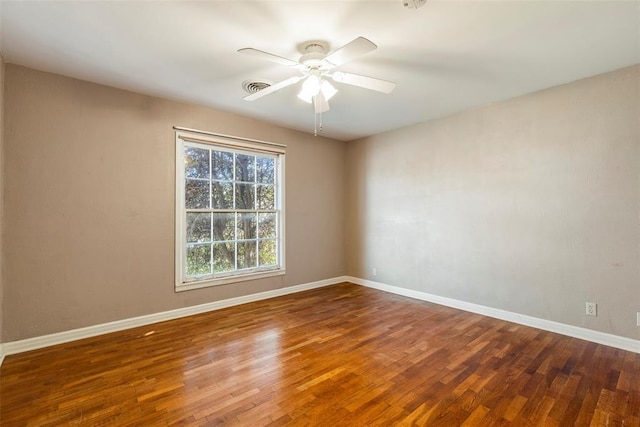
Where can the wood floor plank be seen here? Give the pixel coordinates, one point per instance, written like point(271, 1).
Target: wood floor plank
point(339, 355)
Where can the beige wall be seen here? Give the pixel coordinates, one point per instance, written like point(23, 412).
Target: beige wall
point(1, 193)
point(529, 205)
point(89, 213)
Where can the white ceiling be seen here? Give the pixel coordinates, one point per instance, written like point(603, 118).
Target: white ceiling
point(447, 56)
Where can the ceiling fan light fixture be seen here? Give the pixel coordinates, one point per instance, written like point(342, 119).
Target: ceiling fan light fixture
point(310, 88)
point(305, 97)
point(327, 90)
point(320, 103)
point(313, 86)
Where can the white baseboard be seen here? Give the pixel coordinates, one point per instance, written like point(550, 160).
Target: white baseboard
point(20, 346)
point(547, 325)
point(14, 347)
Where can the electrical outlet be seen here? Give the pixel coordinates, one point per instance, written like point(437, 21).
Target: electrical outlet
point(592, 309)
point(374, 271)
point(638, 318)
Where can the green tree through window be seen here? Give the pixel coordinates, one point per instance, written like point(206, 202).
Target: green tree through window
point(232, 214)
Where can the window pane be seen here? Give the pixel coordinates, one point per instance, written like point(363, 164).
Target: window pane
point(222, 195)
point(266, 170)
point(224, 226)
point(229, 222)
point(247, 254)
point(245, 168)
point(245, 196)
point(196, 194)
point(247, 226)
point(266, 226)
point(224, 257)
point(222, 167)
point(266, 197)
point(196, 162)
point(198, 260)
point(198, 227)
point(267, 254)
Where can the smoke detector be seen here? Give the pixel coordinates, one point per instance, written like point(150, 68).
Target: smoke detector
point(413, 4)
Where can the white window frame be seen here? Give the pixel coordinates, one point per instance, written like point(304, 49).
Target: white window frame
point(238, 145)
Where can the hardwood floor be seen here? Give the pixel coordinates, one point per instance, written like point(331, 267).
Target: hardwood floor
point(340, 355)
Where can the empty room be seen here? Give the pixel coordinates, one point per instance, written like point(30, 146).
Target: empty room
point(320, 213)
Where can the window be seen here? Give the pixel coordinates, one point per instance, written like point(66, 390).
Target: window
point(229, 216)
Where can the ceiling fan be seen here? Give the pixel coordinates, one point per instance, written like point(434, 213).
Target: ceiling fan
point(316, 66)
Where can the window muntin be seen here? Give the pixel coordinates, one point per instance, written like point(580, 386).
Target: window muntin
point(230, 213)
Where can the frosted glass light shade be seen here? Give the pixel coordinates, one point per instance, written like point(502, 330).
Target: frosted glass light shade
point(313, 85)
point(327, 90)
point(310, 88)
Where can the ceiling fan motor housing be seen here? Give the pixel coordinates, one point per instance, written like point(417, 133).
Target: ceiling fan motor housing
point(314, 54)
point(313, 60)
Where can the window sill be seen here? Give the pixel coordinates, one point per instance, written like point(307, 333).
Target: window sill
point(180, 287)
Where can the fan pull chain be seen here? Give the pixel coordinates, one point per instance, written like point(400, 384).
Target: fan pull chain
point(317, 126)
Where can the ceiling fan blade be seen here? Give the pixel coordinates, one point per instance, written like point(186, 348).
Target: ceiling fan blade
point(268, 56)
point(273, 88)
point(379, 85)
point(351, 50)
